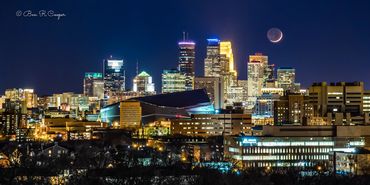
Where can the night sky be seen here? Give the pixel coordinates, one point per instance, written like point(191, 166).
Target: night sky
point(324, 40)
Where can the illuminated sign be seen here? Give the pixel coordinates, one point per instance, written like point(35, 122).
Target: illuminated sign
point(93, 75)
point(249, 141)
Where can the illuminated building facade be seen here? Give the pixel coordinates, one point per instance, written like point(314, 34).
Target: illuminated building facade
point(68, 101)
point(255, 79)
point(94, 85)
point(130, 115)
point(219, 62)
point(114, 76)
point(342, 102)
point(228, 71)
point(186, 62)
point(236, 94)
point(173, 81)
point(260, 75)
point(214, 87)
point(279, 91)
point(212, 62)
point(293, 109)
point(206, 125)
point(143, 83)
point(286, 79)
point(283, 152)
point(13, 117)
point(265, 105)
point(267, 69)
point(28, 96)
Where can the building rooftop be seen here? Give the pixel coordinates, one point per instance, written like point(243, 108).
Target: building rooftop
point(177, 99)
point(143, 74)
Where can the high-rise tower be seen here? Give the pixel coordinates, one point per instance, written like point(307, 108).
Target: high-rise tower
point(114, 76)
point(186, 61)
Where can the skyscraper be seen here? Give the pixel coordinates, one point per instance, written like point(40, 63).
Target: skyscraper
point(212, 63)
point(259, 73)
point(226, 54)
point(255, 78)
point(186, 61)
point(173, 81)
point(286, 78)
point(94, 85)
point(114, 76)
point(143, 83)
point(220, 63)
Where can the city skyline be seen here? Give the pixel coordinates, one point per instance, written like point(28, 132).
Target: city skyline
point(185, 92)
point(310, 45)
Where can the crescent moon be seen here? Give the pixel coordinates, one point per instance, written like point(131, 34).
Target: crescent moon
point(279, 39)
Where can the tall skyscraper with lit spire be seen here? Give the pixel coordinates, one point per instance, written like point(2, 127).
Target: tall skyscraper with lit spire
point(186, 61)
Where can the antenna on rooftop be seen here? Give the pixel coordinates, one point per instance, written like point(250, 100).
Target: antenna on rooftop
point(137, 67)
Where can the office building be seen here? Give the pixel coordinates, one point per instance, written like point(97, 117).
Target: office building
point(265, 105)
point(227, 60)
point(212, 62)
point(214, 87)
point(286, 79)
point(295, 146)
point(28, 96)
point(236, 94)
point(285, 152)
point(267, 69)
point(341, 103)
point(94, 85)
point(13, 117)
point(143, 83)
point(279, 91)
point(114, 76)
point(226, 50)
point(293, 109)
point(68, 101)
point(186, 62)
point(219, 62)
point(206, 125)
point(173, 81)
point(255, 79)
